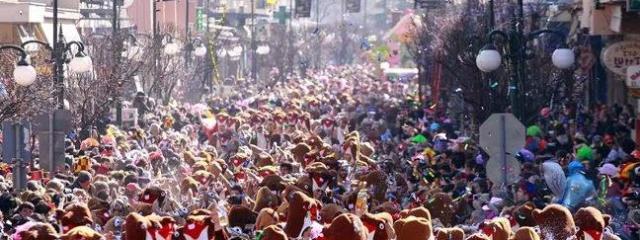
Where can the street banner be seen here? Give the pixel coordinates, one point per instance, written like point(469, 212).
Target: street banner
point(353, 6)
point(303, 8)
point(201, 20)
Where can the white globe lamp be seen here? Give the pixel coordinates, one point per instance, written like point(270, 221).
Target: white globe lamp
point(24, 75)
point(200, 51)
point(80, 64)
point(563, 58)
point(171, 49)
point(488, 60)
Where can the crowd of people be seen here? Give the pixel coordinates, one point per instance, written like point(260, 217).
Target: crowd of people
point(336, 154)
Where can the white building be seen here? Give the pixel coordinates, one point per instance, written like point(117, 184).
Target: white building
point(23, 20)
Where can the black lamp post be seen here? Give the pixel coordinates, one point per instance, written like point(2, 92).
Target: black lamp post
point(515, 53)
point(78, 62)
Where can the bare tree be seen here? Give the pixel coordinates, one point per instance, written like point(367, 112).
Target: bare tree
point(17, 102)
point(452, 38)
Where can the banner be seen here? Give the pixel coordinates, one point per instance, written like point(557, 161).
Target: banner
point(303, 8)
point(353, 6)
point(201, 20)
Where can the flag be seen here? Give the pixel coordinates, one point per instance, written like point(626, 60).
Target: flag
point(353, 6)
point(303, 8)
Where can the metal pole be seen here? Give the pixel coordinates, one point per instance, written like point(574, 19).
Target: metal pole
point(516, 47)
point(343, 33)
point(492, 16)
point(318, 33)
point(187, 51)
point(156, 48)
point(521, 96)
point(364, 26)
point(291, 14)
point(116, 58)
point(58, 77)
point(254, 63)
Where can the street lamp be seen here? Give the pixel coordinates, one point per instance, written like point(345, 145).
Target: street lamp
point(200, 51)
point(171, 48)
point(489, 59)
point(79, 63)
point(263, 50)
point(24, 74)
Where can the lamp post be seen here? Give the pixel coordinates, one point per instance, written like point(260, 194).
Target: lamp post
point(254, 45)
point(78, 63)
point(515, 53)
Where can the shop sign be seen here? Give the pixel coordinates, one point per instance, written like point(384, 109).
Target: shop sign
point(619, 56)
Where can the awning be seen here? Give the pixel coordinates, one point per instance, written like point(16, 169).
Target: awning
point(69, 32)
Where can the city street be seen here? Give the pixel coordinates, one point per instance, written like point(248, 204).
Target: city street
point(319, 120)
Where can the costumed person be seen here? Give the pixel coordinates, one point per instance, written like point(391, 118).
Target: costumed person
point(578, 188)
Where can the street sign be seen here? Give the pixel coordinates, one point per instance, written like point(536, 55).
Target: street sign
point(303, 8)
point(499, 127)
point(353, 6)
point(51, 130)
point(499, 173)
point(282, 15)
point(502, 136)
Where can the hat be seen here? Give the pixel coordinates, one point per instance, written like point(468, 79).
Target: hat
point(609, 170)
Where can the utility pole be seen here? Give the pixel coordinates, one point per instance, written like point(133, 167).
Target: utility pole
point(343, 32)
point(116, 60)
point(187, 36)
point(364, 26)
point(254, 46)
point(319, 54)
point(58, 68)
point(156, 42)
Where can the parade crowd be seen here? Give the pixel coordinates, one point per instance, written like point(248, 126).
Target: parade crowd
point(338, 154)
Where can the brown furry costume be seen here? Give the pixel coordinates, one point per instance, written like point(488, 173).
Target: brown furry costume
point(200, 227)
point(82, 233)
point(274, 233)
point(526, 233)
point(74, 215)
point(590, 221)
point(39, 231)
point(379, 225)
point(301, 211)
point(154, 227)
point(449, 234)
point(555, 221)
point(413, 228)
point(498, 228)
point(346, 226)
point(523, 215)
point(152, 194)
